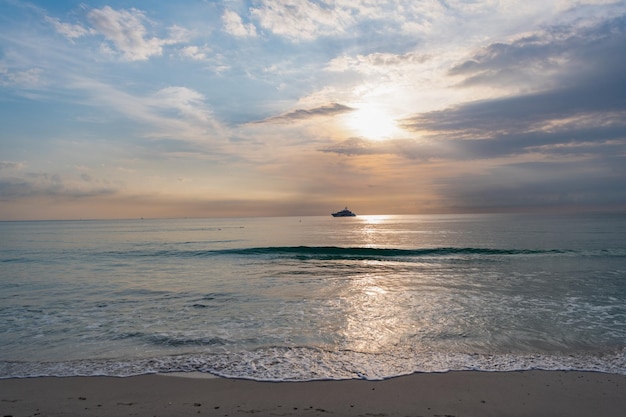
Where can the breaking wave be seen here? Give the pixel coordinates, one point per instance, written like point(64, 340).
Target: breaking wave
point(309, 364)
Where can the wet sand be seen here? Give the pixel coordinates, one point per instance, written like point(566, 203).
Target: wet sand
point(460, 394)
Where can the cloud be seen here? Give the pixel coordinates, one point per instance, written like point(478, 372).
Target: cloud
point(538, 184)
point(216, 62)
point(69, 30)
point(551, 112)
point(187, 102)
point(41, 184)
point(356, 146)
point(587, 104)
point(125, 29)
point(327, 110)
point(29, 78)
point(307, 20)
point(235, 26)
point(412, 149)
point(367, 20)
point(547, 105)
point(175, 112)
point(195, 53)
point(540, 60)
point(302, 20)
point(565, 54)
point(10, 165)
point(473, 176)
point(375, 62)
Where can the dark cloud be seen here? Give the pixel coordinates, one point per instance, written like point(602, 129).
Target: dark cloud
point(597, 142)
point(10, 165)
point(585, 103)
point(600, 104)
point(327, 110)
point(558, 56)
point(13, 187)
point(465, 150)
point(407, 148)
point(539, 184)
point(355, 146)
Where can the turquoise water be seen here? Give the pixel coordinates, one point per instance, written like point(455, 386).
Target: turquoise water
point(313, 297)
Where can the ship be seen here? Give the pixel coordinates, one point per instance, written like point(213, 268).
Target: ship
point(344, 213)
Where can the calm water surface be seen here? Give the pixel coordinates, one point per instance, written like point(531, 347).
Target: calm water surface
point(313, 297)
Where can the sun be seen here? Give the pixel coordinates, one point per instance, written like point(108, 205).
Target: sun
point(372, 122)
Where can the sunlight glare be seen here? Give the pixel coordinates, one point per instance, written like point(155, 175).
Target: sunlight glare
point(374, 218)
point(372, 123)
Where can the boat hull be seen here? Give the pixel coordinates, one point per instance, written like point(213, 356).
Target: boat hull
point(344, 213)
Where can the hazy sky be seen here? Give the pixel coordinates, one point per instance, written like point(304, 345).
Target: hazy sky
point(300, 107)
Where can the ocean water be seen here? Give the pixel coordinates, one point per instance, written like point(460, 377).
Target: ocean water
point(313, 297)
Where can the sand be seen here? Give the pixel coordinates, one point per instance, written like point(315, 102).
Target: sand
point(461, 394)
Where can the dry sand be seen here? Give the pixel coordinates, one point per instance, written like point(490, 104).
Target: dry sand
point(461, 394)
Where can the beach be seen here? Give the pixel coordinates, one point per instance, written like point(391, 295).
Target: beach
point(463, 393)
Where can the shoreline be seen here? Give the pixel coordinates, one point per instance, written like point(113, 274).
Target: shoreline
point(328, 365)
point(455, 393)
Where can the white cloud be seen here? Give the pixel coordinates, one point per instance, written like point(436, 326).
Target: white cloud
point(68, 30)
point(178, 113)
point(305, 20)
point(189, 103)
point(375, 62)
point(216, 62)
point(125, 29)
point(30, 78)
point(235, 26)
point(301, 19)
point(178, 34)
point(194, 52)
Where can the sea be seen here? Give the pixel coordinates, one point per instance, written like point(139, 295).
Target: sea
point(313, 298)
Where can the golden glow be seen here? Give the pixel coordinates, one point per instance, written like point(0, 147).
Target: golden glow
point(374, 218)
point(372, 122)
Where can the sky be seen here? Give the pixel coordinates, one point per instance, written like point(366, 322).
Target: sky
point(129, 109)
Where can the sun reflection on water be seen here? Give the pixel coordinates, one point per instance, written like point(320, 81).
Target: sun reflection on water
point(380, 304)
point(374, 218)
point(374, 318)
